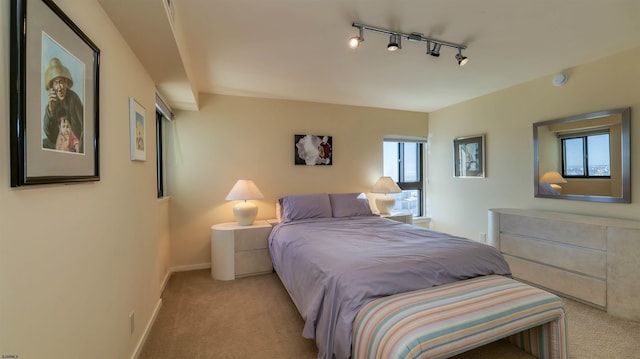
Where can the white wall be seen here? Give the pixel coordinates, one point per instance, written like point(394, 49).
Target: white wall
point(459, 205)
point(233, 138)
point(75, 260)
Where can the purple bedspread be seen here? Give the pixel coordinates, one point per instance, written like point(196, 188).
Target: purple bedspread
point(334, 266)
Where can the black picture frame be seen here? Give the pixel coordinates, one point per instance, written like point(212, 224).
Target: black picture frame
point(313, 150)
point(54, 98)
point(469, 157)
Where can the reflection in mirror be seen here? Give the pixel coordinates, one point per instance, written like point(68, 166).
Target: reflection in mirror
point(584, 157)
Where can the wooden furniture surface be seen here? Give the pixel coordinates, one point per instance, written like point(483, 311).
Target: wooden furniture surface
point(588, 258)
point(404, 217)
point(240, 251)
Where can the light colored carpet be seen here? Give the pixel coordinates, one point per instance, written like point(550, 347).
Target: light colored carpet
point(254, 318)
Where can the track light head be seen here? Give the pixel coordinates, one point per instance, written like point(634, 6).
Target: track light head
point(354, 41)
point(462, 60)
point(394, 43)
point(435, 52)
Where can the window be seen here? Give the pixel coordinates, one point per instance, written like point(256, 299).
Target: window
point(586, 155)
point(403, 161)
point(163, 116)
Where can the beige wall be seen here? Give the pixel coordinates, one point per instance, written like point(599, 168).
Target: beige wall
point(75, 260)
point(460, 205)
point(233, 138)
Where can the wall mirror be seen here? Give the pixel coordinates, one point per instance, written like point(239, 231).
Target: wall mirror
point(584, 157)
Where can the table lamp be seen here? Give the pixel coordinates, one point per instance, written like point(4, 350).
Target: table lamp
point(385, 185)
point(245, 212)
point(553, 178)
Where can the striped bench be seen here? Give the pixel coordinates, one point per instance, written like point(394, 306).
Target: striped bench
point(447, 320)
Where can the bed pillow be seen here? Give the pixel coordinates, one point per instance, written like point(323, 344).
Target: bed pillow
point(349, 205)
point(303, 206)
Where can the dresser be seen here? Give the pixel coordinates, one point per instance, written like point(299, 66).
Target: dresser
point(239, 251)
point(588, 258)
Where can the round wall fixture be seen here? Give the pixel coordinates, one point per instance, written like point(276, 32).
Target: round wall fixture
point(560, 79)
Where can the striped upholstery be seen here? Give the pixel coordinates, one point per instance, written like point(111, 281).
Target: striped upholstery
point(446, 320)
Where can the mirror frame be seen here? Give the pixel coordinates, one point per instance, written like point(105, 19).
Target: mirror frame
point(626, 157)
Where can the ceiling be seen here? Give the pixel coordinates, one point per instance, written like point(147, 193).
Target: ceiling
point(297, 49)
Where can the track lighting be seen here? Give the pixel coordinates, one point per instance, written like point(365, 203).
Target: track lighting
point(356, 40)
point(462, 60)
point(436, 50)
point(395, 41)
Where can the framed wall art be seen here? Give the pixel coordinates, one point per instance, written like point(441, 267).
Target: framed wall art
point(468, 156)
point(311, 150)
point(53, 97)
point(137, 126)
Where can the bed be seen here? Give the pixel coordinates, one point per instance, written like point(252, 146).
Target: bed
point(334, 256)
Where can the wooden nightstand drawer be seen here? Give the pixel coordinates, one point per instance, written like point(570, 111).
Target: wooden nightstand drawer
point(253, 262)
point(253, 238)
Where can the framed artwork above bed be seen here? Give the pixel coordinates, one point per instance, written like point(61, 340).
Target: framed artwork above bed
point(311, 150)
point(468, 157)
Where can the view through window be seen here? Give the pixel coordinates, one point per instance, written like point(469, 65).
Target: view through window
point(586, 156)
point(403, 162)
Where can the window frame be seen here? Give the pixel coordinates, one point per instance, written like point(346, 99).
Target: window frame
point(419, 184)
point(163, 116)
point(160, 157)
point(584, 135)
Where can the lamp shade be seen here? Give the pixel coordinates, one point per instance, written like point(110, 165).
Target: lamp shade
point(245, 212)
point(552, 177)
point(244, 190)
point(386, 185)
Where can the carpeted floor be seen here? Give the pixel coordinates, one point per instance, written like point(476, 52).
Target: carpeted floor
point(254, 318)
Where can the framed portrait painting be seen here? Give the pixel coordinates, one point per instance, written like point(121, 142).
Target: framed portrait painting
point(53, 97)
point(312, 150)
point(468, 156)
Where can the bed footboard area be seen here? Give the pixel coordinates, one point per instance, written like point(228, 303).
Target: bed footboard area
point(450, 319)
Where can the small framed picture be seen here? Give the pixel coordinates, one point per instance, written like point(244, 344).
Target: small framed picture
point(53, 125)
point(468, 156)
point(312, 150)
point(137, 129)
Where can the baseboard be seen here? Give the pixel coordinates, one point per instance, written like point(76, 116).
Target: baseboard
point(190, 267)
point(156, 310)
point(147, 330)
point(163, 285)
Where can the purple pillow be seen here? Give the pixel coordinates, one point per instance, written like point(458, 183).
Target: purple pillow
point(349, 205)
point(303, 206)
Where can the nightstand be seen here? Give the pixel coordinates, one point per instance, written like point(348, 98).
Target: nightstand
point(239, 251)
point(404, 217)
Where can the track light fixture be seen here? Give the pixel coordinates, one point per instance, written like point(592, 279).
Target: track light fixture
point(462, 60)
point(356, 40)
point(435, 52)
point(395, 41)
